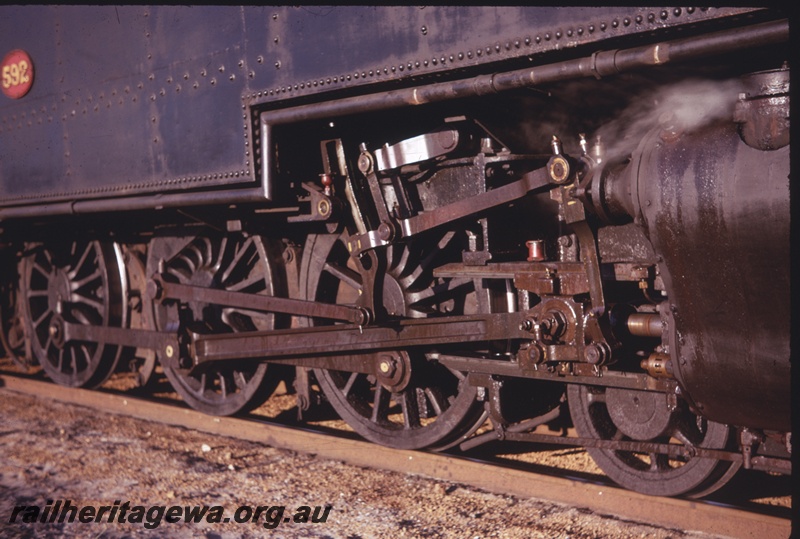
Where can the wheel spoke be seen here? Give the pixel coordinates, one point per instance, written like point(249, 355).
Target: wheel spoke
point(92, 303)
point(238, 256)
point(223, 384)
point(79, 265)
point(240, 380)
point(245, 284)
point(344, 274)
point(38, 268)
point(349, 385)
point(77, 285)
point(433, 398)
point(410, 407)
point(380, 403)
point(42, 318)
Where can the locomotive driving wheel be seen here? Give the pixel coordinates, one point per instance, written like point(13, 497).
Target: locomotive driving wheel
point(408, 401)
point(631, 415)
point(79, 283)
point(234, 263)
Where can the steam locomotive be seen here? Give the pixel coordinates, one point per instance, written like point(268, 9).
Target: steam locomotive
point(438, 218)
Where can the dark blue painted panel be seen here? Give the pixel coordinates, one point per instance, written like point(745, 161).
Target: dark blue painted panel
point(142, 99)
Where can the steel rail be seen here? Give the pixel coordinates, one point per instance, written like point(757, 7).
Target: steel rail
point(689, 515)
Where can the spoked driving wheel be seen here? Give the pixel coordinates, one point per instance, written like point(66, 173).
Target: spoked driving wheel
point(408, 400)
point(233, 263)
point(630, 415)
point(78, 283)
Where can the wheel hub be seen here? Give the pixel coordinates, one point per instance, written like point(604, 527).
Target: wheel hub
point(393, 370)
point(58, 289)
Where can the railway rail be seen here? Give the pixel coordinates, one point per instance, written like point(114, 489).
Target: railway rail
point(494, 474)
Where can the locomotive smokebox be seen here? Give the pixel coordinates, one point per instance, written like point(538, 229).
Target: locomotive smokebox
point(715, 206)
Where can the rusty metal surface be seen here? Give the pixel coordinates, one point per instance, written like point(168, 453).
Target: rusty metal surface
point(668, 512)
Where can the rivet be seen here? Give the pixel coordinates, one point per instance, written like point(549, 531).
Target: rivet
point(677, 12)
point(547, 36)
point(638, 19)
point(569, 32)
point(558, 34)
point(527, 41)
point(603, 26)
point(591, 28)
point(538, 39)
point(614, 23)
point(580, 30)
point(626, 21)
point(664, 14)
